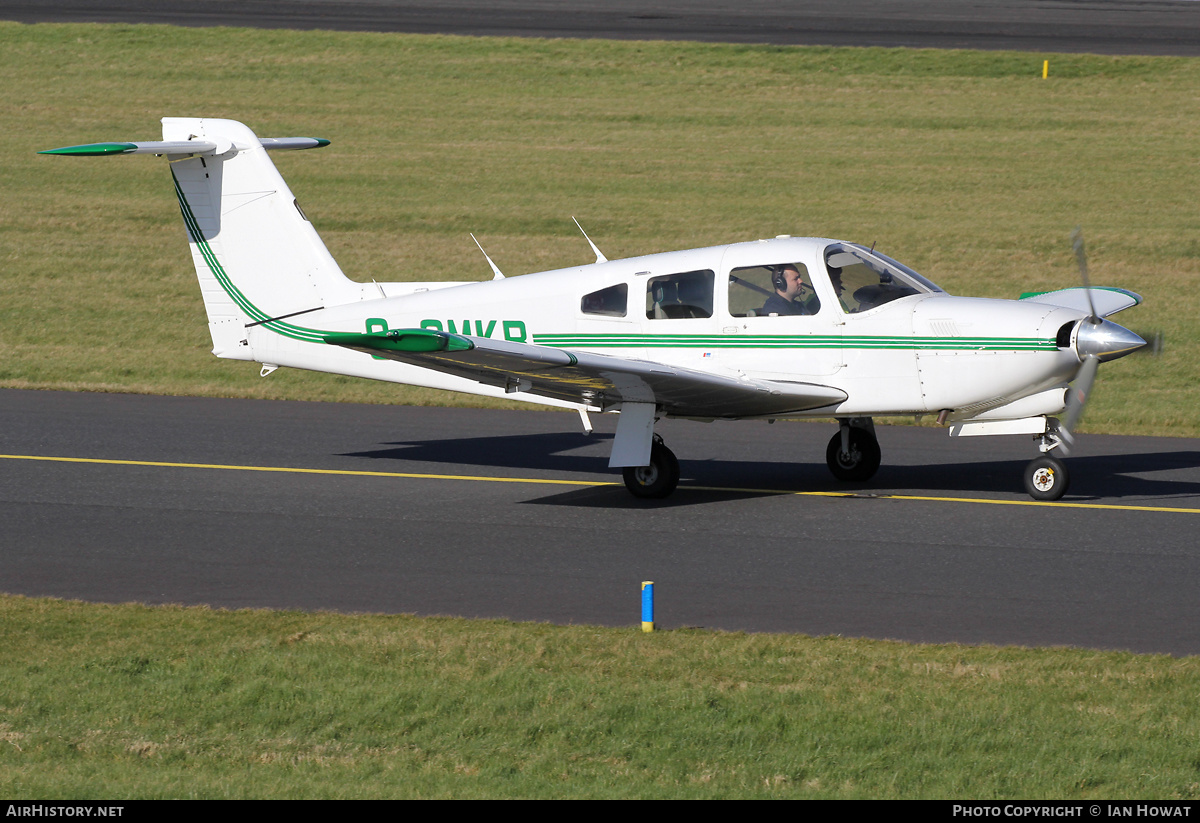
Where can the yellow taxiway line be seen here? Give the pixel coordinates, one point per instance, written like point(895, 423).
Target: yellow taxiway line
point(292, 470)
point(532, 480)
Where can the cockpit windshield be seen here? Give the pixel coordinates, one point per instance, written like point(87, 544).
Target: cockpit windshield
point(865, 279)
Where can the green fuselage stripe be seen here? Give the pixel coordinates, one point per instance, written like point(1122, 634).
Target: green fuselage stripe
point(797, 341)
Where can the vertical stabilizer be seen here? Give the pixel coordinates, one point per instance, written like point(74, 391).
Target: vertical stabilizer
point(258, 258)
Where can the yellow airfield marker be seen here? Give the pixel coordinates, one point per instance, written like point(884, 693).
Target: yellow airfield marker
point(1045, 69)
point(647, 605)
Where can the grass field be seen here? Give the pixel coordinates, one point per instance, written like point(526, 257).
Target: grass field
point(966, 165)
point(110, 702)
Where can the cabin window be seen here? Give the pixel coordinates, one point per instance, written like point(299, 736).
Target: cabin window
point(781, 290)
point(610, 302)
point(672, 296)
point(864, 279)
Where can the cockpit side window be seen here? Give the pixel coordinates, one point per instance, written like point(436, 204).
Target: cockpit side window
point(610, 302)
point(780, 290)
point(864, 280)
point(672, 296)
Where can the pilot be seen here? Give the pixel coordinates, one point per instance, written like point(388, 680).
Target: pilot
point(790, 292)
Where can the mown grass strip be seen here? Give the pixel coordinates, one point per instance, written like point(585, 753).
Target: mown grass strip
point(105, 701)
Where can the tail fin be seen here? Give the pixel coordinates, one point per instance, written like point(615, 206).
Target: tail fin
point(258, 258)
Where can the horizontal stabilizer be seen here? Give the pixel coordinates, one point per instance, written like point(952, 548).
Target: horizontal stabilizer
point(184, 146)
point(292, 143)
point(1108, 300)
point(152, 147)
point(597, 380)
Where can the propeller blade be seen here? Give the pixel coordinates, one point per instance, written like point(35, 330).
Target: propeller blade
point(1081, 256)
point(1077, 397)
point(1155, 342)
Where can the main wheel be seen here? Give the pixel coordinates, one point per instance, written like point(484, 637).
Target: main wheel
point(658, 479)
point(860, 463)
point(1046, 478)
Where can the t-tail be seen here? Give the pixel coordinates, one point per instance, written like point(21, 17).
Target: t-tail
point(259, 260)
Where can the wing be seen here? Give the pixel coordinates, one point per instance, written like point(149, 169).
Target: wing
point(1108, 301)
point(597, 380)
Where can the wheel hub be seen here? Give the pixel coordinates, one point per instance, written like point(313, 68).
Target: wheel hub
point(1043, 479)
point(646, 475)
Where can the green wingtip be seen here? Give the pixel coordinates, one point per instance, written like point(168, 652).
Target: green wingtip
point(93, 149)
point(322, 142)
point(406, 340)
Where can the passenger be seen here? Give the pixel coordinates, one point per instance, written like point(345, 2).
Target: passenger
point(790, 292)
point(839, 288)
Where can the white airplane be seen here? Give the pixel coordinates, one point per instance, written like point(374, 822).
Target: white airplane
point(791, 327)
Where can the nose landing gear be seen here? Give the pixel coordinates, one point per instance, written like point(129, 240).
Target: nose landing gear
point(1046, 477)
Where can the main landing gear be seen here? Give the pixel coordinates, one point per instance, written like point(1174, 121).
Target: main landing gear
point(658, 479)
point(853, 454)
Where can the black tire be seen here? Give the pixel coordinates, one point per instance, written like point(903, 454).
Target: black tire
point(862, 462)
point(658, 479)
point(1046, 478)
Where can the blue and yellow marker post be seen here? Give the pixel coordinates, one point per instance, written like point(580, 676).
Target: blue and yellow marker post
point(647, 605)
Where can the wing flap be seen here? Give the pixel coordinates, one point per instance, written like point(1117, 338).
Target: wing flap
point(597, 380)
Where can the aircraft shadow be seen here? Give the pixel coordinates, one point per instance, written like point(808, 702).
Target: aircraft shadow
point(545, 452)
point(1092, 477)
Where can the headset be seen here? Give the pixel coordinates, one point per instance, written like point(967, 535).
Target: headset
point(777, 278)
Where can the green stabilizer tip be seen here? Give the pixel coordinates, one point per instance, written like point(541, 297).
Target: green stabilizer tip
point(93, 149)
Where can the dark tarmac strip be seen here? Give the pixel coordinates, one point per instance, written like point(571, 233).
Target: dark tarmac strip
point(1151, 27)
point(445, 511)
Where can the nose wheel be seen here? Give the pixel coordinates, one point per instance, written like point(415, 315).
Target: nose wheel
point(1046, 478)
point(656, 480)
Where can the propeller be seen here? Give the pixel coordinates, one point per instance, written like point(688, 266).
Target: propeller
point(1096, 339)
point(1155, 342)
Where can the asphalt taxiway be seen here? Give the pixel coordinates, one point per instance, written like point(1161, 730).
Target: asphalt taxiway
point(238, 503)
point(1152, 27)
